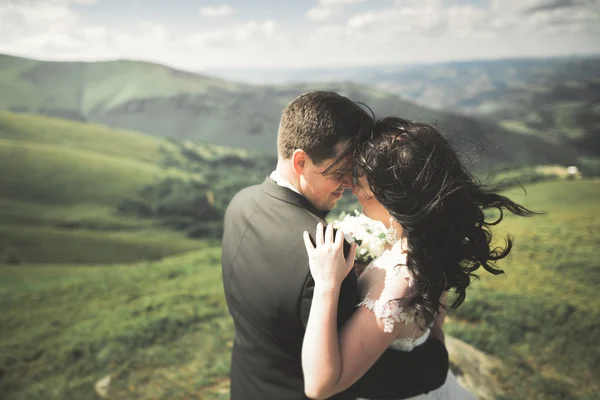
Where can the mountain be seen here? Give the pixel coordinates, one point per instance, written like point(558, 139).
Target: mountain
point(445, 85)
point(562, 112)
point(555, 99)
point(169, 103)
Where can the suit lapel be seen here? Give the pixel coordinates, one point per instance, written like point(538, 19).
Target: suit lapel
point(349, 297)
point(289, 196)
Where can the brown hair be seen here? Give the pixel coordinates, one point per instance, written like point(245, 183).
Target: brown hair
point(316, 122)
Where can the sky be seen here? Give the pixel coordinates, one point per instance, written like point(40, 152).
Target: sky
point(196, 35)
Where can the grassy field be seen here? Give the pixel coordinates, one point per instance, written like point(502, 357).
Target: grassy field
point(542, 317)
point(61, 184)
point(161, 329)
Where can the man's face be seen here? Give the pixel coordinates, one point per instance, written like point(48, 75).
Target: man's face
point(324, 191)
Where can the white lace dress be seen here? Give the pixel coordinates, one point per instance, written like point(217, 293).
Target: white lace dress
point(382, 283)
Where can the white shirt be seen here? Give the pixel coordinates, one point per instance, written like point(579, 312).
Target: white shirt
point(282, 182)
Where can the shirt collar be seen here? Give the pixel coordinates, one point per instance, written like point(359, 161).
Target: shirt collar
point(276, 176)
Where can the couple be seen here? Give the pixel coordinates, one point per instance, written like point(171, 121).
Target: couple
point(306, 324)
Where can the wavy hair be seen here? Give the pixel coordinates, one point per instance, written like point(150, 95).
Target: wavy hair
point(416, 174)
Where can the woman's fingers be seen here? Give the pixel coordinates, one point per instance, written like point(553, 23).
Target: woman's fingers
point(324, 235)
point(326, 257)
point(319, 235)
point(307, 243)
point(329, 234)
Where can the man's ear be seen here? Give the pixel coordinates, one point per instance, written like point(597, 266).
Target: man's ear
point(299, 161)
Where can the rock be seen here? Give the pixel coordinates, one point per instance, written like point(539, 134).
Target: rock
point(102, 387)
point(474, 369)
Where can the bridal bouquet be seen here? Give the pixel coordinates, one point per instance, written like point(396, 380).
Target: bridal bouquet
point(369, 235)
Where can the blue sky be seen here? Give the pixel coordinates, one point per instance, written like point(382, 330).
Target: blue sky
point(208, 34)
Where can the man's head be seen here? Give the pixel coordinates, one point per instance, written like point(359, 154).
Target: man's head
point(315, 141)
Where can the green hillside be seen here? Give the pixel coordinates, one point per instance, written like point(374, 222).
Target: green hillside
point(564, 112)
point(61, 184)
point(65, 133)
point(542, 316)
point(165, 102)
point(83, 193)
point(161, 329)
point(80, 87)
point(51, 174)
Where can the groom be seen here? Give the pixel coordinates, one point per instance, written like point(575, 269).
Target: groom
point(266, 277)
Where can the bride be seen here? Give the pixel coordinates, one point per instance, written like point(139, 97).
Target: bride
point(411, 180)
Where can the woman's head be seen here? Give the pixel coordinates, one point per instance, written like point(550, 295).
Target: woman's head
point(371, 207)
point(413, 172)
point(409, 168)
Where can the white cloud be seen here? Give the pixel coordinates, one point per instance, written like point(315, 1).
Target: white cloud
point(545, 15)
point(326, 9)
point(339, 3)
point(408, 30)
point(217, 11)
point(422, 19)
point(419, 3)
point(319, 14)
point(432, 18)
point(233, 35)
point(49, 2)
point(53, 30)
point(541, 5)
point(30, 20)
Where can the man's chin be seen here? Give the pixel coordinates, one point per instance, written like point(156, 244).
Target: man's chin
point(328, 206)
point(337, 196)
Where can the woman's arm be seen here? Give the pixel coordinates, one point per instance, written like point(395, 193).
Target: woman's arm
point(331, 363)
point(321, 360)
point(396, 374)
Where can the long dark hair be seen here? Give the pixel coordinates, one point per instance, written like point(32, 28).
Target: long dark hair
point(416, 174)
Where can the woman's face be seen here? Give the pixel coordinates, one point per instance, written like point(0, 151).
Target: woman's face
point(370, 206)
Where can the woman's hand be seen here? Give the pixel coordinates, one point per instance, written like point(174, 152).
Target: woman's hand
point(326, 260)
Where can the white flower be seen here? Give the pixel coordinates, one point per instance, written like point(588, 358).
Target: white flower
point(367, 233)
